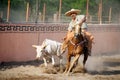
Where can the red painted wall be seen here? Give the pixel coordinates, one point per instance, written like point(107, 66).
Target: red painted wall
point(17, 46)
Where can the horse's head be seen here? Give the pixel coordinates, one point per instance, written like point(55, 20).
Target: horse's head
point(77, 31)
point(78, 27)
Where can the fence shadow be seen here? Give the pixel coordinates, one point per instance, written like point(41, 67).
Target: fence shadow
point(13, 64)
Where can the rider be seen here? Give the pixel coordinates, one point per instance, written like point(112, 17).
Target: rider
point(77, 20)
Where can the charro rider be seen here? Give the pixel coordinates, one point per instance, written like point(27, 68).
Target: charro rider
point(81, 21)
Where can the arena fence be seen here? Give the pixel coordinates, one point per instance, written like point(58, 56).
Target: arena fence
point(16, 40)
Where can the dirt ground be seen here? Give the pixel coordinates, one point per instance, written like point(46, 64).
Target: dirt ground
point(97, 68)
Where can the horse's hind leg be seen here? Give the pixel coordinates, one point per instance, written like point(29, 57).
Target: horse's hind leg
point(85, 59)
point(86, 54)
point(74, 60)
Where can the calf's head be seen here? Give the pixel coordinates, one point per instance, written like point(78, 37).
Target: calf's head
point(39, 50)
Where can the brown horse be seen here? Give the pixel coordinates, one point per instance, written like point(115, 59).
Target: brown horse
point(76, 47)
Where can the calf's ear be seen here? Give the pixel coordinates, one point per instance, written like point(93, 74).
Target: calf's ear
point(43, 46)
point(34, 46)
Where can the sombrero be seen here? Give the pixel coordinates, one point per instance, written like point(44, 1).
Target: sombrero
point(68, 13)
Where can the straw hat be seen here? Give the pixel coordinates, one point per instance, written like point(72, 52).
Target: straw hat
point(68, 13)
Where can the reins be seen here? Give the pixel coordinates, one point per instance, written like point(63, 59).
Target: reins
point(80, 43)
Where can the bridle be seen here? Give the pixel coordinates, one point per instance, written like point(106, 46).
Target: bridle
point(80, 43)
point(77, 36)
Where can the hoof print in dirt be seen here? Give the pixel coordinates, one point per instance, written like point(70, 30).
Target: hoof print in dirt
point(50, 71)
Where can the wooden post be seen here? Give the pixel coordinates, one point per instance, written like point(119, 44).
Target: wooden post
point(8, 11)
point(27, 12)
point(55, 17)
point(119, 18)
point(44, 10)
point(90, 18)
point(100, 11)
point(110, 11)
point(40, 16)
point(1, 14)
point(60, 5)
point(87, 13)
point(37, 11)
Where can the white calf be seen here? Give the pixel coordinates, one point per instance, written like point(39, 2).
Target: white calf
point(50, 49)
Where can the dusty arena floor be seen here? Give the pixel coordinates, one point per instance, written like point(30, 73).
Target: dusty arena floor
point(97, 68)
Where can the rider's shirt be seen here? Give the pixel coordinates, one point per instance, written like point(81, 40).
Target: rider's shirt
point(75, 22)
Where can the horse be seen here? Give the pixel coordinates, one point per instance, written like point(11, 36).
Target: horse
point(76, 47)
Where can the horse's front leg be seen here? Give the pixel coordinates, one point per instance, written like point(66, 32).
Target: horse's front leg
point(72, 64)
point(68, 63)
point(75, 64)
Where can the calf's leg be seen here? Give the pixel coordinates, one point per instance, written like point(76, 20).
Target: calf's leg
point(53, 61)
point(45, 61)
point(61, 58)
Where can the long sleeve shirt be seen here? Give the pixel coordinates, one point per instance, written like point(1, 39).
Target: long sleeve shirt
point(75, 22)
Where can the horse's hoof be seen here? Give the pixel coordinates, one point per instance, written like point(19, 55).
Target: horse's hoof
point(84, 70)
point(64, 73)
point(68, 74)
